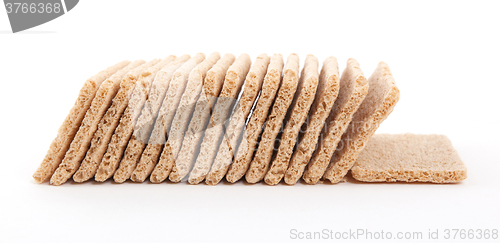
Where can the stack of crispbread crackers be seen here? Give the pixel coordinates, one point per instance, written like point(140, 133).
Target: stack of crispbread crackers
point(206, 118)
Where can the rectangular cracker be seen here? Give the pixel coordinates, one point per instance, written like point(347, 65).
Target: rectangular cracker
point(190, 145)
point(245, 150)
point(252, 85)
point(275, 120)
point(300, 109)
point(69, 128)
point(233, 82)
point(382, 96)
point(122, 133)
point(107, 126)
point(105, 129)
point(136, 144)
point(135, 148)
point(409, 158)
point(81, 142)
point(328, 89)
point(353, 90)
point(145, 122)
point(182, 114)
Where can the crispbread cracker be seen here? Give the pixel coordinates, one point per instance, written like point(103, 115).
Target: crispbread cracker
point(182, 114)
point(105, 129)
point(133, 151)
point(326, 95)
point(244, 152)
point(81, 142)
point(252, 86)
point(353, 90)
point(146, 120)
point(300, 108)
point(69, 128)
point(120, 137)
point(141, 133)
point(409, 158)
point(233, 82)
point(190, 145)
point(275, 120)
point(107, 126)
point(382, 96)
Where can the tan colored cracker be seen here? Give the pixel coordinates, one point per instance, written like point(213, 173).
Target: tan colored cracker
point(409, 158)
point(353, 90)
point(243, 153)
point(252, 86)
point(121, 135)
point(81, 142)
point(275, 120)
point(105, 129)
point(132, 156)
point(382, 96)
point(107, 126)
point(233, 82)
point(182, 114)
point(300, 108)
point(145, 122)
point(141, 134)
point(328, 89)
point(190, 145)
point(69, 128)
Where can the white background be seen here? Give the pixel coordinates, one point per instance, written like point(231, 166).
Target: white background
point(445, 57)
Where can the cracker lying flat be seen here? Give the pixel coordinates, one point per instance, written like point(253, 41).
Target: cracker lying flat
point(194, 134)
point(233, 82)
point(81, 142)
point(353, 90)
point(107, 126)
point(252, 86)
point(382, 96)
point(182, 114)
point(301, 104)
point(409, 158)
point(274, 121)
point(249, 139)
point(69, 128)
point(121, 136)
point(134, 148)
point(328, 89)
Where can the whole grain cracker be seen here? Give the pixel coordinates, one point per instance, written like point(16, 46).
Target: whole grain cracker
point(146, 121)
point(133, 151)
point(382, 96)
point(353, 90)
point(71, 124)
point(233, 82)
point(122, 133)
point(182, 114)
point(83, 137)
point(275, 120)
point(326, 95)
point(409, 158)
point(300, 109)
point(252, 86)
point(190, 145)
point(270, 86)
point(107, 126)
